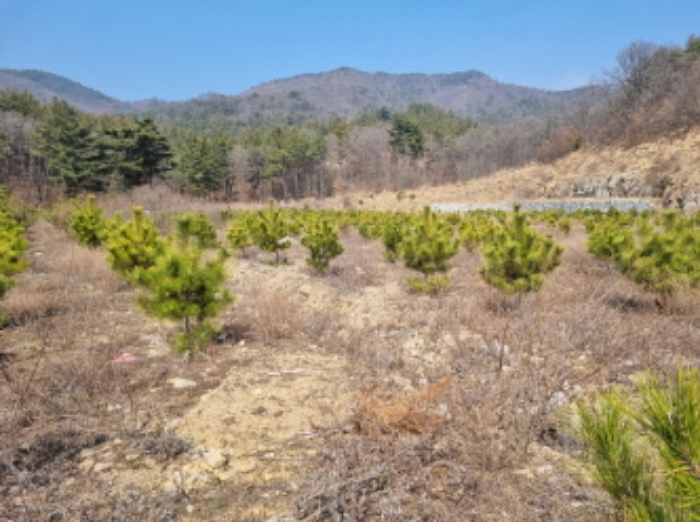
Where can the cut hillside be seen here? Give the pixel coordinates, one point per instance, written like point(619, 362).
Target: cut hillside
point(664, 171)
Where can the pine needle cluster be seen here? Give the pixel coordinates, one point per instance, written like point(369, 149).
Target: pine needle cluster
point(658, 252)
point(87, 223)
point(516, 256)
point(323, 243)
point(645, 448)
point(180, 280)
point(13, 245)
point(426, 246)
point(269, 231)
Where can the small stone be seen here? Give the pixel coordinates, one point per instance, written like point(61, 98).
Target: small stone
point(244, 466)
point(108, 456)
point(449, 340)
point(444, 411)
point(173, 423)
point(87, 464)
point(87, 452)
point(557, 400)
point(215, 458)
point(179, 383)
point(101, 467)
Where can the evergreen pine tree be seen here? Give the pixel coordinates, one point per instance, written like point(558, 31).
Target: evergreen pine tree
point(269, 229)
point(185, 286)
point(516, 257)
point(138, 152)
point(134, 244)
point(392, 228)
point(71, 149)
point(13, 245)
point(194, 227)
point(645, 450)
point(86, 224)
point(239, 235)
point(323, 243)
point(427, 246)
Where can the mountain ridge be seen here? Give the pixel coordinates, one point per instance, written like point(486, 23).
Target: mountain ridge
point(45, 86)
point(345, 92)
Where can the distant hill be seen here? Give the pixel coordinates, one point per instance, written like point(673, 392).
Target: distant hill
point(46, 86)
point(342, 92)
point(349, 92)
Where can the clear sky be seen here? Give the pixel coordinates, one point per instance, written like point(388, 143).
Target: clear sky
point(178, 49)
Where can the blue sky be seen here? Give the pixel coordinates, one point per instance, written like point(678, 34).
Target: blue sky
point(178, 49)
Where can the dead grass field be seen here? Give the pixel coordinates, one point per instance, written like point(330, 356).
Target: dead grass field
point(334, 397)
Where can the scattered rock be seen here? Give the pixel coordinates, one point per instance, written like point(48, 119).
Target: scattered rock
point(215, 458)
point(87, 464)
point(243, 466)
point(179, 383)
point(101, 467)
point(132, 457)
point(449, 340)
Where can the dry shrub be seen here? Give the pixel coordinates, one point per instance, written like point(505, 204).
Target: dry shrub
point(356, 268)
point(406, 413)
point(156, 199)
point(62, 276)
point(274, 315)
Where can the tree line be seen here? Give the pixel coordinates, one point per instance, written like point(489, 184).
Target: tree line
point(53, 150)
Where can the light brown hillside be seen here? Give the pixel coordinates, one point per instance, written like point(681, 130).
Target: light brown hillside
point(675, 160)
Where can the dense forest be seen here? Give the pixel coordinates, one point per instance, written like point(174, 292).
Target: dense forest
point(53, 150)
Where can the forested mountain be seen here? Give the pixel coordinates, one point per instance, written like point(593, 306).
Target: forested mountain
point(349, 92)
point(45, 86)
point(323, 134)
point(343, 92)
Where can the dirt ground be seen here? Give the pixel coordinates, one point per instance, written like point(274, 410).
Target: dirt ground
point(341, 396)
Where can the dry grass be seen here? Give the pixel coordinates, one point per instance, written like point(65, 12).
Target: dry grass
point(459, 395)
point(512, 369)
point(402, 413)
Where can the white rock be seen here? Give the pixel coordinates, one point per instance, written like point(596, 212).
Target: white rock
point(102, 466)
point(215, 458)
point(179, 383)
point(449, 340)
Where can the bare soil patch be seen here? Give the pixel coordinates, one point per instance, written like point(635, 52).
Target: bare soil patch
point(325, 397)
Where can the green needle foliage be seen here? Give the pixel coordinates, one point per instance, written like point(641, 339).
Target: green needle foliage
point(185, 286)
point(516, 257)
point(194, 228)
point(645, 450)
point(134, 244)
point(86, 223)
point(323, 243)
point(392, 233)
point(426, 247)
point(269, 230)
point(13, 245)
point(659, 253)
point(608, 240)
point(239, 235)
